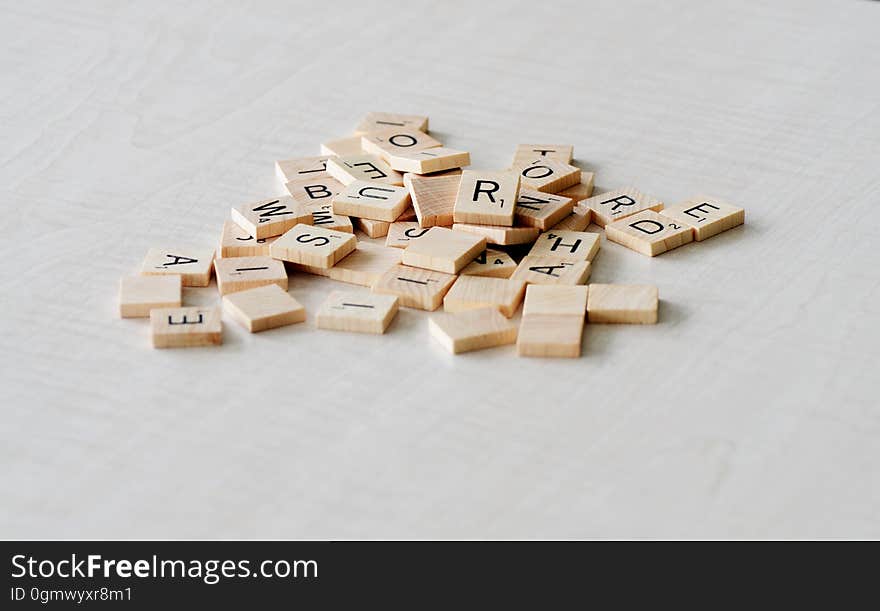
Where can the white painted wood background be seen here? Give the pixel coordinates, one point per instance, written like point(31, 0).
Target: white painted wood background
point(750, 411)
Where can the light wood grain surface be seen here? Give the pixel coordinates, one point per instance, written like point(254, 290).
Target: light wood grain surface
point(750, 410)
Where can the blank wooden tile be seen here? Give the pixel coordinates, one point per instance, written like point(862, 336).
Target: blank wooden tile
point(620, 303)
point(309, 191)
point(357, 312)
point(581, 245)
point(486, 198)
point(237, 242)
point(370, 200)
point(707, 215)
point(364, 266)
point(526, 153)
point(243, 273)
point(186, 327)
point(373, 228)
point(193, 265)
point(415, 287)
point(302, 167)
point(553, 321)
point(271, 217)
point(349, 168)
point(537, 269)
point(427, 161)
point(443, 250)
point(397, 140)
point(402, 233)
point(541, 210)
point(580, 191)
point(140, 294)
point(262, 308)
point(578, 220)
point(615, 205)
point(342, 146)
point(322, 216)
point(472, 330)
point(490, 263)
point(375, 121)
point(470, 292)
point(547, 175)
point(550, 336)
point(649, 233)
point(500, 235)
point(433, 198)
point(313, 246)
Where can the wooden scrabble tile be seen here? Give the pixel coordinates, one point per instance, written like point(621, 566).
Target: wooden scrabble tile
point(649, 233)
point(427, 161)
point(373, 228)
point(309, 191)
point(529, 152)
point(322, 216)
point(578, 220)
point(707, 215)
point(615, 205)
point(580, 191)
point(343, 146)
point(503, 236)
point(265, 307)
point(140, 294)
point(313, 246)
point(470, 292)
point(193, 265)
point(402, 233)
point(555, 300)
point(375, 121)
point(553, 321)
point(236, 242)
point(358, 312)
point(581, 245)
point(490, 263)
point(472, 330)
point(364, 266)
point(349, 168)
point(370, 200)
point(541, 210)
point(397, 140)
point(186, 327)
point(486, 198)
point(303, 167)
point(271, 217)
point(415, 287)
point(537, 269)
point(433, 198)
point(620, 303)
point(443, 250)
point(243, 273)
point(550, 336)
point(547, 175)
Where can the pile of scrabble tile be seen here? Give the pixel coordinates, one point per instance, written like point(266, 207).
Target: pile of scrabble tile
point(448, 235)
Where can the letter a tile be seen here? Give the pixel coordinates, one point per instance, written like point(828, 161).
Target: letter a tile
point(192, 264)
